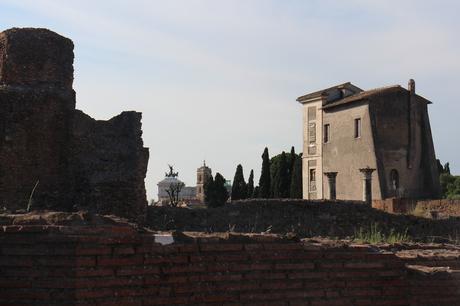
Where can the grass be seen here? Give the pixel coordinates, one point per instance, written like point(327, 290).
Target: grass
point(374, 234)
point(29, 203)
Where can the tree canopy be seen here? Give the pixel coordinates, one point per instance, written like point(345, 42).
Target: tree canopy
point(250, 185)
point(265, 177)
point(450, 184)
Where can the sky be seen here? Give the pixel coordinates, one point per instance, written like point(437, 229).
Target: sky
point(217, 80)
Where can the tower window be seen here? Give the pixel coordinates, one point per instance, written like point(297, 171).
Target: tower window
point(394, 179)
point(357, 127)
point(312, 179)
point(327, 133)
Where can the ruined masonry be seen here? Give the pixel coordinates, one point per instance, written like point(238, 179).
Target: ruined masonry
point(52, 155)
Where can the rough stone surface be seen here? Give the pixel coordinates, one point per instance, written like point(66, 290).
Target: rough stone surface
point(110, 164)
point(52, 155)
point(34, 57)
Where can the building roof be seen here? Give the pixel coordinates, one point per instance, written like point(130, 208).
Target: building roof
point(363, 95)
point(367, 94)
point(348, 93)
point(324, 92)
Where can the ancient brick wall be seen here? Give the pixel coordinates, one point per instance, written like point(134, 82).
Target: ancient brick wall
point(51, 155)
point(34, 57)
point(110, 176)
point(441, 209)
point(80, 259)
point(36, 107)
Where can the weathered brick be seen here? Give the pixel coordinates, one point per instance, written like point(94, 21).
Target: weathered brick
point(146, 270)
point(120, 261)
point(295, 266)
point(79, 251)
point(222, 247)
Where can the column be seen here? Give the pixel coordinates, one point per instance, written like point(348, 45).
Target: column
point(367, 184)
point(331, 176)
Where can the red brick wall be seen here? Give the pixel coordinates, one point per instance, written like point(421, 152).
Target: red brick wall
point(117, 265)
point(444, 208)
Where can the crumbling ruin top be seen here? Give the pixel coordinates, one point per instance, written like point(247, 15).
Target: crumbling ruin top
point(31, 56)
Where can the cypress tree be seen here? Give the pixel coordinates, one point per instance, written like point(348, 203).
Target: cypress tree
point(296, 179)
point(215, 192)
point(250, 185)
point(239, 185)
point(281, 184)
point(209, 191)
point(264, 181)
point(221, 192)
point(291, 163)
point(255, 194)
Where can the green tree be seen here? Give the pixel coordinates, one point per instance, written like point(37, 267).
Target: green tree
point(291, 157)
point(255, 194)
point(250, 185)
point(275, 166)
point(239, 185)
point(296, 179)
point(447, 168)
point(281, 179)
point(453, 189)
point(265, 179)
point(215, 192)
point(440, 167)
point(445, 180)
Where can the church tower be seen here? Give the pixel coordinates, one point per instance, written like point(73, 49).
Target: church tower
point(202, 175)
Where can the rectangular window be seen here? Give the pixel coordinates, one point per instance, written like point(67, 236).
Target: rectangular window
point(312, 132)
point(357, 127)
point(327, 131)
point(312, 179)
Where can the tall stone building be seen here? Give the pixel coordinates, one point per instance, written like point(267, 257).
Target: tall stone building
point(349, 133)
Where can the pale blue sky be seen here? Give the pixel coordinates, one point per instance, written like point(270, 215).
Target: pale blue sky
point(217, 80)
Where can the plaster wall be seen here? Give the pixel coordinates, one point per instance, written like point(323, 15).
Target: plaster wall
point(345, 154)
point(403, 142)
point(312, 156)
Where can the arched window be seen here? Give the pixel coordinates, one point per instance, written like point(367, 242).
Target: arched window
point(394, 179)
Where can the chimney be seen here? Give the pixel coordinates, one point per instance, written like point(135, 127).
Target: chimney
point(411, 86)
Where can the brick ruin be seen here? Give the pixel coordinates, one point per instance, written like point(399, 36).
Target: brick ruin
point(83, 259)
point(52, 154)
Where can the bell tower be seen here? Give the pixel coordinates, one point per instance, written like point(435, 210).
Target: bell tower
point(202, 176)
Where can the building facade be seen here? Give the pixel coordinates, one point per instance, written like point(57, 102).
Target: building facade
point(379, 137)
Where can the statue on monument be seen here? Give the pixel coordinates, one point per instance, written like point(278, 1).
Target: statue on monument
point(171, 172)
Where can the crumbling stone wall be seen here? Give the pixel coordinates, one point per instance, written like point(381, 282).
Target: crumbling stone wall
point(306, 218)
point(51, 153)
point(110, 164)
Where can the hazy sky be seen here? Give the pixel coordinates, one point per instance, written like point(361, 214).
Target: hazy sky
point(217, 80)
